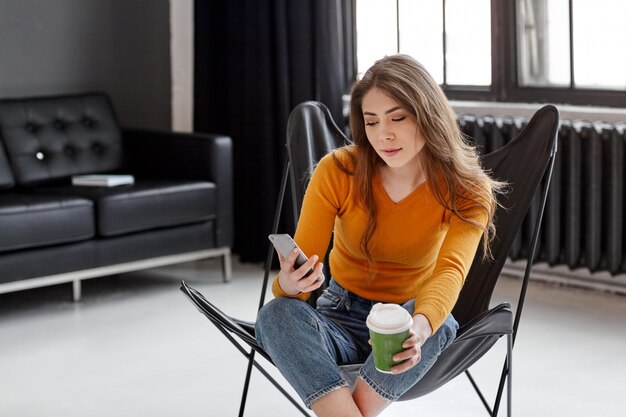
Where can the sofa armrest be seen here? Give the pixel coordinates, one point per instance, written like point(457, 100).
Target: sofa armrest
point(164, 154)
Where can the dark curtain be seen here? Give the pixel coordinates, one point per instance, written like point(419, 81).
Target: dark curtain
point(254, 62)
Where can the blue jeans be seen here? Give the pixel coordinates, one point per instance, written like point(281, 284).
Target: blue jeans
point(308, 345)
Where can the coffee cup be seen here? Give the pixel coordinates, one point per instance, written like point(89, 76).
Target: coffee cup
point(389, 326)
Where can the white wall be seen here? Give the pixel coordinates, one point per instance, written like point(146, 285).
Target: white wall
point(181, 46)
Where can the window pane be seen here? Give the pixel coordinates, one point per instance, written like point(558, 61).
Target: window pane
point(421, 33)
point(468, 42)
point(599, 58)
point(543, 42)
point(376, 31)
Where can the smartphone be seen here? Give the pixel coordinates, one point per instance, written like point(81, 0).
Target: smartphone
point(284, 245)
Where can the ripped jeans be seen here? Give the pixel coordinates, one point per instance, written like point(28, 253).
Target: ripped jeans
point(308, 345)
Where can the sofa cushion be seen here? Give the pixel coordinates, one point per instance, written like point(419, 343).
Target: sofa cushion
point(30, 220)
point(148, 204)
point(55, 137)
point(47, 260)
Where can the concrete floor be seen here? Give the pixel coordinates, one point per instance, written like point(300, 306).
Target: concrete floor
point(136, 347)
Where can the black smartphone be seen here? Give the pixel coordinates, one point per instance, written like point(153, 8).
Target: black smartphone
point(284, 245)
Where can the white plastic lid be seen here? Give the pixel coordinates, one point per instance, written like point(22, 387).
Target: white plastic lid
point(389, 319)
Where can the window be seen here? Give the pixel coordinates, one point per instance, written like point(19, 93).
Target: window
point(442, 35)
point(592, 57)
point(561, 51)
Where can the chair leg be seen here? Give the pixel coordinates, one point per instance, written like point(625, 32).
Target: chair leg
point(76, 290)
point(509, 386)
point(479, 392)
point(506, 373)
point(268, 264)
point(281, 389)
point(227, 266)
point(244, 396)
point(246, 384)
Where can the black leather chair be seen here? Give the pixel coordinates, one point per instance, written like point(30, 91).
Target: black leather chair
point(526, 163)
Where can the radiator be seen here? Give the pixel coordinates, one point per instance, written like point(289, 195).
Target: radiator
point(583, 225)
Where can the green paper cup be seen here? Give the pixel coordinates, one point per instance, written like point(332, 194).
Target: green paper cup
point(389, 326)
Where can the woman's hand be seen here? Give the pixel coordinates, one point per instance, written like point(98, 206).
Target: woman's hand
point(294, 281)
point(412, 353)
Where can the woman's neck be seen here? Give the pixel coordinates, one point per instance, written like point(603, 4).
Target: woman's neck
point(409, 175)
point(400, 182)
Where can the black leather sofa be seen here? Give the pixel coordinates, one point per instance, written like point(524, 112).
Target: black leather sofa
point(179, 208)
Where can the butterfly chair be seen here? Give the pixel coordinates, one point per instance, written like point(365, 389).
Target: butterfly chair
point(525, 163)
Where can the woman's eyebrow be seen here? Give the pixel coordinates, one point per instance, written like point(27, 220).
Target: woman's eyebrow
point(369, 113)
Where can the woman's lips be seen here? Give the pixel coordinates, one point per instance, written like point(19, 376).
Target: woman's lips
point(391, 152)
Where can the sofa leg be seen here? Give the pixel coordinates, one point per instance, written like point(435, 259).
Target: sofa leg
point(76, 289)
point(227, 267)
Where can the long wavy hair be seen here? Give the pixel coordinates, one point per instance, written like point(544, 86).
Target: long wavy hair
point(448, 161)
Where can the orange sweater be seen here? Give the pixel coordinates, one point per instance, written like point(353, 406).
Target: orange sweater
point(421, 250)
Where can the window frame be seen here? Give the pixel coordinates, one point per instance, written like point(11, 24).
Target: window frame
point(504, 72)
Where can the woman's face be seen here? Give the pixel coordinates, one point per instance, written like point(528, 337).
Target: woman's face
point(391, 130)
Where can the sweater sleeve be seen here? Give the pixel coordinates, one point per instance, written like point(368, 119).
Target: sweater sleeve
point(439, 294)
point(323, 199)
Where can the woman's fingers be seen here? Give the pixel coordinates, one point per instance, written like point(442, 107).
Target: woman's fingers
point(309, 265)
point(289, 261)
point(287, 265)
point(410, 356)
point(306, 278)
point(408, 362)
point(412, 352)
point(411, 340)
point(314, 280)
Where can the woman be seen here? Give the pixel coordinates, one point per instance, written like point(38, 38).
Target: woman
point(408, 204)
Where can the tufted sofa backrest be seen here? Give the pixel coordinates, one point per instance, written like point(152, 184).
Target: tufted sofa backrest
point(54, 137)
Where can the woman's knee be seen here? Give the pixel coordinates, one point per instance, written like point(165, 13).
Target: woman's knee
point(277, 316)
